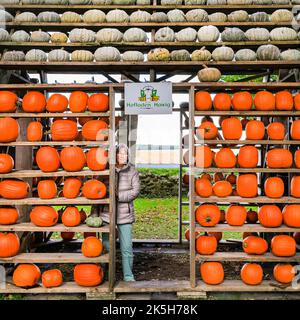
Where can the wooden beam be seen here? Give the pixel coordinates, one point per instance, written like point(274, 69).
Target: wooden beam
point(55, 201)
point(236, 199)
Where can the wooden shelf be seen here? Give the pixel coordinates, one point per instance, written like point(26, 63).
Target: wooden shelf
point(246, 170)
point(255, 227)
point(67, 287)
point(236, 199)
point(30, 227)
point(242, 256)
point(225, 67)
point(50, 114)
point(54, 257)
point(55, 143)
point(56, 201)
point(248, 113)
point(61, 173)
point(254, 142)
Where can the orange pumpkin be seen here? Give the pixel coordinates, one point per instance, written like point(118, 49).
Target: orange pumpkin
point(295, 187)
point(225, 158)
point(43, 216)
point(78, 101)
point(204, 156)
point(206, 245)
point(52, 278)
point(71, 188)
point(95, 130)
point(212, 272)
point(203, 101)
point(284, 273)
point(8, 215)
point(291, 215)
point(6, 163)
point(222, 189)
point(88, 275)
point(47, 159)
point(297, 159)
point(274, 187)
point(295, 130)
point(217, 235)
point(9, 245)
point(252, 274)
point(264, 101)
point(47, 189)
point(242, 101)
point(92, 247)
point(270, 216)
point(283, 246)
point(34, 131)
point(218, 176)
point(297, 101)
point(34, 101)
point(255, 130)
point(236, 215)
point(64, 130)
point(279, 158)
point(26, 275)
point(203, 187)
point(252, 216)
point(9, 130)
point(208, 215)
point(246, 185)
point(284, 100)
point(187, 234)
point(276, 131)
point(232, 128)
point(57, 103)
point(248, 157)
point(231, 178)
point(72, 158)
point(97, 159)
point(83, 215)
point(296, 236)
point(222, 101)
point(94, 189)
point(98, 102)
point(67, 236)
point(207, 130)
point(255, 245)
point(71, 217)
point(14, 189)
point(8, 101)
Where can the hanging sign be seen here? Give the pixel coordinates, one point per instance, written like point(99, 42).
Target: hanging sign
point(148, 98)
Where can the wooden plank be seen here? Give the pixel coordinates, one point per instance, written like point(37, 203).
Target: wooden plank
point(50, 114)
point(236, 199)
point(67, 287)
point(55, 201)
point(242, 256)
point(253, 142)
point(55, 143)
point(60, 173)
point(30, 227)
point(54, 257)
point(224, 227)
point(245, 170)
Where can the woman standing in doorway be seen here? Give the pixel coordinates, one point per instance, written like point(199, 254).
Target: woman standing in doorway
point(127, 189)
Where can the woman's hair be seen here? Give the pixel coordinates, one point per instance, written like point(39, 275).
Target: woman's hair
point(123, 146)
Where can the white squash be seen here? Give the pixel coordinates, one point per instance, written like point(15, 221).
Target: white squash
point(82, 55)
point(36, 55)
point(262, 2)
point(259, 17)
point(135, 35)
point(4, 35)
point(71, 17)
point(268, 52)
point(143, 2)
point(201, 55)
point(59, 2)
point(9, 2)
point(102, 2)
point(140, 16)
point(124, 2)
point(165, 34)
point(170, 2)
point(32, 1)
point(133, 56)
point(106, 35)
point(116, 16)
point(238, 16)
point(13, 56)
point(242, 2)
point(223, 54)
point(48, 16)
point(245, 55)
point(94, 16)
point(5, 16)
point(107, 54)
point(257, 34)
point(216, 2)
point(194, 2)
point(159, 17)
point(217, 17)
point(176, 15)
point(290, 55)
point(208, 34)
point(59, 37)
point(158, 54)
point(180, 55)
point(233, 35)
point(196, 15)
point(82, 35)
point(186, 35)
point(76, 2)
point(26, 17)
point(283, 34)
point(282, 15)
point(20, 36)
point(209, 75)
point(39, 36)
point(59, 55)
point(281, 1)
